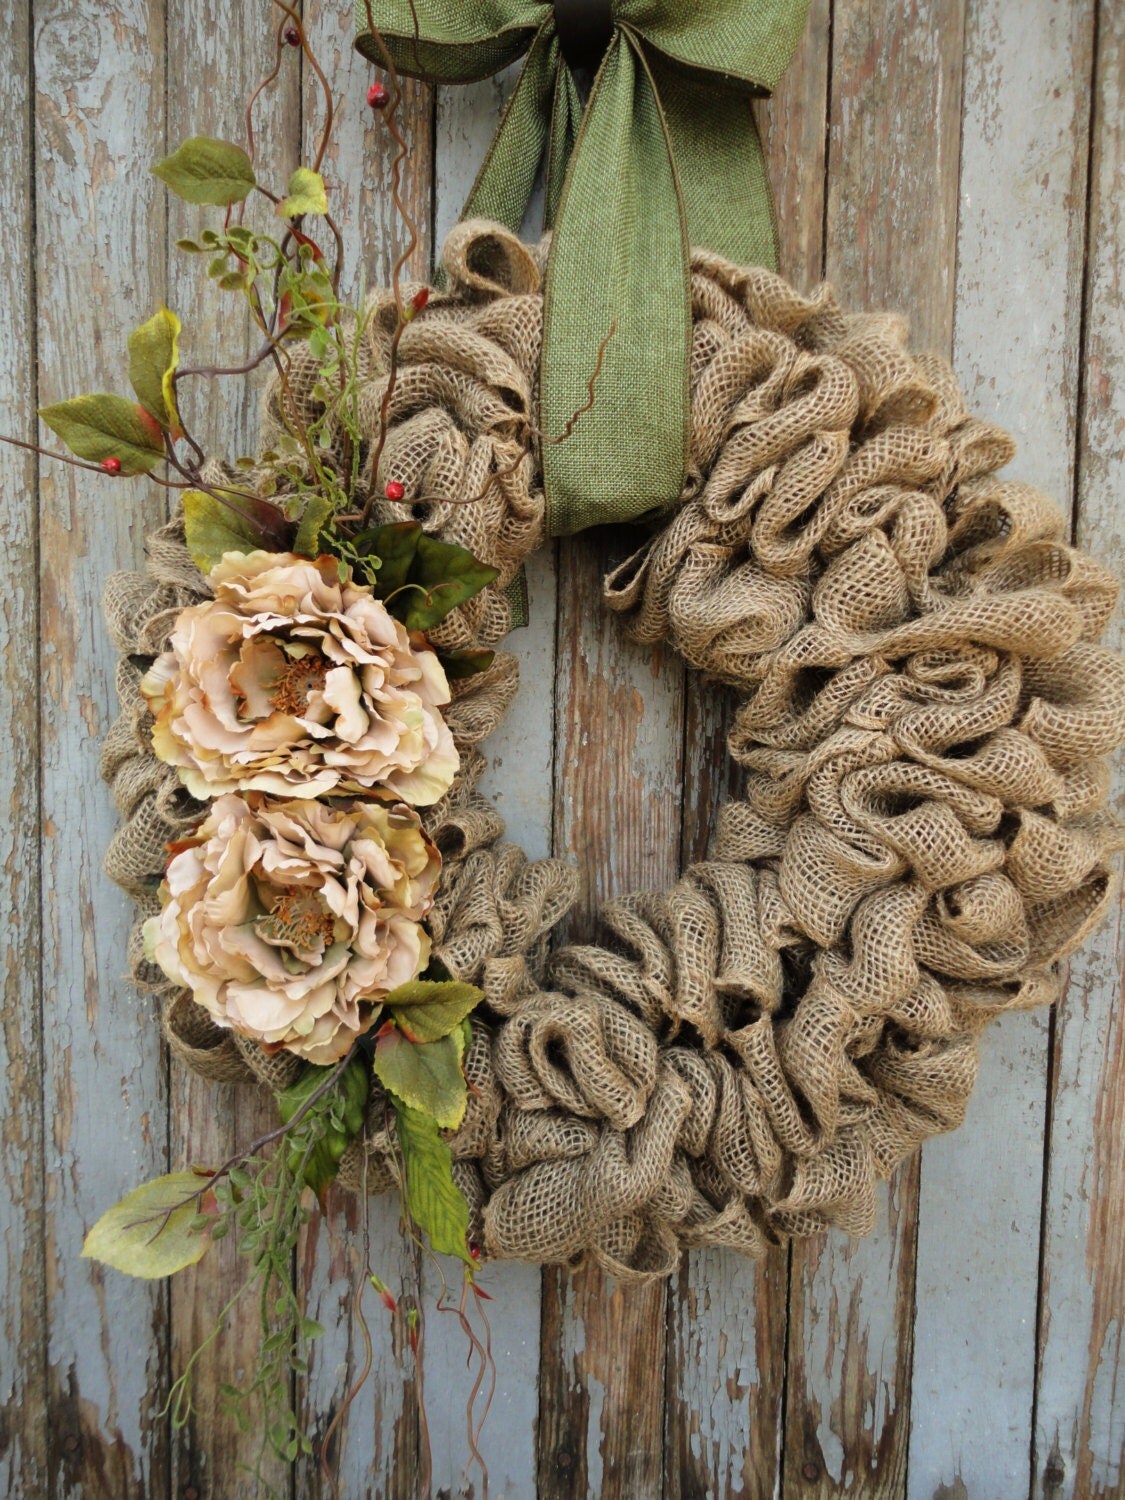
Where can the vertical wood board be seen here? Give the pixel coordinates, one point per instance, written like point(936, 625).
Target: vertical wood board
point(894, 112)
point(1080, 1428)
point(1016, 355)
point(23, 1330)
point(100, 251)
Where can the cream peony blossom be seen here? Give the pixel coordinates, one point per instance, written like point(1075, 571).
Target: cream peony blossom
point(289, 921)
point(293, 683)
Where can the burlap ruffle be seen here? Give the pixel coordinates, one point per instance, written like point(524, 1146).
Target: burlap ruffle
point(925, 723)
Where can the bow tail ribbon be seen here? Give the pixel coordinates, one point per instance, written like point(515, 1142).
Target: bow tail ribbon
point(665, 155)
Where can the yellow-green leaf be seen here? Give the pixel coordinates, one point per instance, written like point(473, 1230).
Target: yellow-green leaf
point(99, 427)
point(316, 513)
point(426, 1010)
point(149, 1233)
point(433, 1199)
point(205, 170)
point(154, 353)
point(307, 195)
point(425, 1075)
point(246, 525)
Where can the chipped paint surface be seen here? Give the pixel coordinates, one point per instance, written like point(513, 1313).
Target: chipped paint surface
point(943, 146)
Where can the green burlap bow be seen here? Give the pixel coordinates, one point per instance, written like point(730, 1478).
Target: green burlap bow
point(664, 156)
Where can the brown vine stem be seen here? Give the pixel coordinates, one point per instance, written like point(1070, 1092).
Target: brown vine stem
point(208, 1181)
point(356, 1308)
point(401, 155)
point(544, 439)
point(269, 79)
point(329, 101)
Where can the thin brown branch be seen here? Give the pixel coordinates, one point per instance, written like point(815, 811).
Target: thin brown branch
point(329, 101)
point(265, 84)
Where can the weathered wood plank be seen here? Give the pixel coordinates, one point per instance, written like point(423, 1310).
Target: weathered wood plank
point(793, 123)
point(895, 91)
point(1080, 1426)
point(23, 1333)
point(1020, 245)
point(99, 77)
point(519, 779)
point(211, 1121)
point(376, 1449)
point(619, 725)
point(726, 1352)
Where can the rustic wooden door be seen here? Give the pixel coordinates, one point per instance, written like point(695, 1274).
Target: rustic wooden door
point(960, 160)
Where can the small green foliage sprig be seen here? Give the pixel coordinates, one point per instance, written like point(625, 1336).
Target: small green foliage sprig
point(306, 496)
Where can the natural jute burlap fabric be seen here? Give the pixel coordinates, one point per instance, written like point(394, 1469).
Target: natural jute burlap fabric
point(924, 728)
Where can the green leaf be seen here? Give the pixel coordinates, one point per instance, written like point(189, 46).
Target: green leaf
point(307, 195)
point(151, 1233)
point(449, 574)
point(204, 170)
point(425, 1011)
point(425, 1075)
point(214, 529)
point(154, 353)
point(433, 1199)
point(315, 1140)
point(99, 427)
point(426, 578)
point(396, 547)
point(467, 663)
point(316, 513)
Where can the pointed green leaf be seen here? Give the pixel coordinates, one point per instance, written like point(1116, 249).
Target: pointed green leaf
point(214, 529)
point(426, 578)
point(449, 575)
point(99, 427)
point(154, 353)
point(307, 195)
point(425, 1011)
point(425, 1075)
point(396, 547)
point(317, 512)
point(433, 1199)
point(204, 170)
point(150, 1232)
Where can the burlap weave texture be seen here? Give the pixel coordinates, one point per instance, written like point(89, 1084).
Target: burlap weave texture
point(925, 721)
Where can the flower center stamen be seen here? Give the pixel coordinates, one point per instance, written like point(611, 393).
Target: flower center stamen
point(299, 920)
point(300, 679)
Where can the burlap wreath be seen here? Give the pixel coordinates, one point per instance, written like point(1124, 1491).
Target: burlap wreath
point(924, 729)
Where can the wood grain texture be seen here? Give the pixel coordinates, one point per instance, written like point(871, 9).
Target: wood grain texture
point(99, 76)
point(894, 140)
point(890, 239)
point(211, 1453)
point(619, 728)
point(727, 1315)
point(23, 1329)
point(1020, 239)
point(943, 145)
point(1080, 1427)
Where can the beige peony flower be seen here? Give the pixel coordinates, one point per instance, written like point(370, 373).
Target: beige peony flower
point(288, 921)
point(293, 683)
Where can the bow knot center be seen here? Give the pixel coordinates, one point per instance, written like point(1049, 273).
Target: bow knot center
point(585, 29)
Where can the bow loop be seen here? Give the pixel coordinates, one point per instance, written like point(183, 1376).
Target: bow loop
point(664, 155)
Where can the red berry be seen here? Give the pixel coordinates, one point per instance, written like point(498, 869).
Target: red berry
point(111, 466)
point(395, 491)
point(377, 96)
point(293, 36)
point(419, 299)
